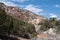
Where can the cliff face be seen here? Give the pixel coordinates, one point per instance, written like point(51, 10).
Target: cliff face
point(25, 15)
point(15, 12)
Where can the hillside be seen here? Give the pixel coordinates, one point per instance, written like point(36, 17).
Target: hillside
point(20, 14)
point(25, 15)
point(12, 26)
point(15, 22)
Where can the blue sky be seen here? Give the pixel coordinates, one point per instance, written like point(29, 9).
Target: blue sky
point(46, 8)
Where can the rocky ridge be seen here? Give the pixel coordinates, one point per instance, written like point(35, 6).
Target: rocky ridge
point(24, 15)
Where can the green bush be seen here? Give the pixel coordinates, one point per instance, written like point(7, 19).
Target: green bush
point(9, 25)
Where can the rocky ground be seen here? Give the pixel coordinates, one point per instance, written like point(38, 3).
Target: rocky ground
point(50, 37)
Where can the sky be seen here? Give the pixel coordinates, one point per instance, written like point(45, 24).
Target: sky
point(46, 8)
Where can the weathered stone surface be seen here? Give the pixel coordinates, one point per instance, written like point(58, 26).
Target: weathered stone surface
point(50, 37)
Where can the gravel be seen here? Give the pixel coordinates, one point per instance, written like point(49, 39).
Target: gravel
point(50, 37)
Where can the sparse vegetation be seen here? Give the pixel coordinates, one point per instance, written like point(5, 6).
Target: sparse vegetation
point(11, 26)
point(51, 23)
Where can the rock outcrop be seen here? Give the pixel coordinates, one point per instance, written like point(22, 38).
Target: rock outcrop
point(25, 15)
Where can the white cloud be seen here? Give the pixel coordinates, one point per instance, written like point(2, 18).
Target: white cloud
point(23, 1)
point(52, 15)
point(33, 8)
point(19, 0)
point(8, 3)
point(11, 2)
point(57, 5)
point(45, 14)
point(15, 0)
